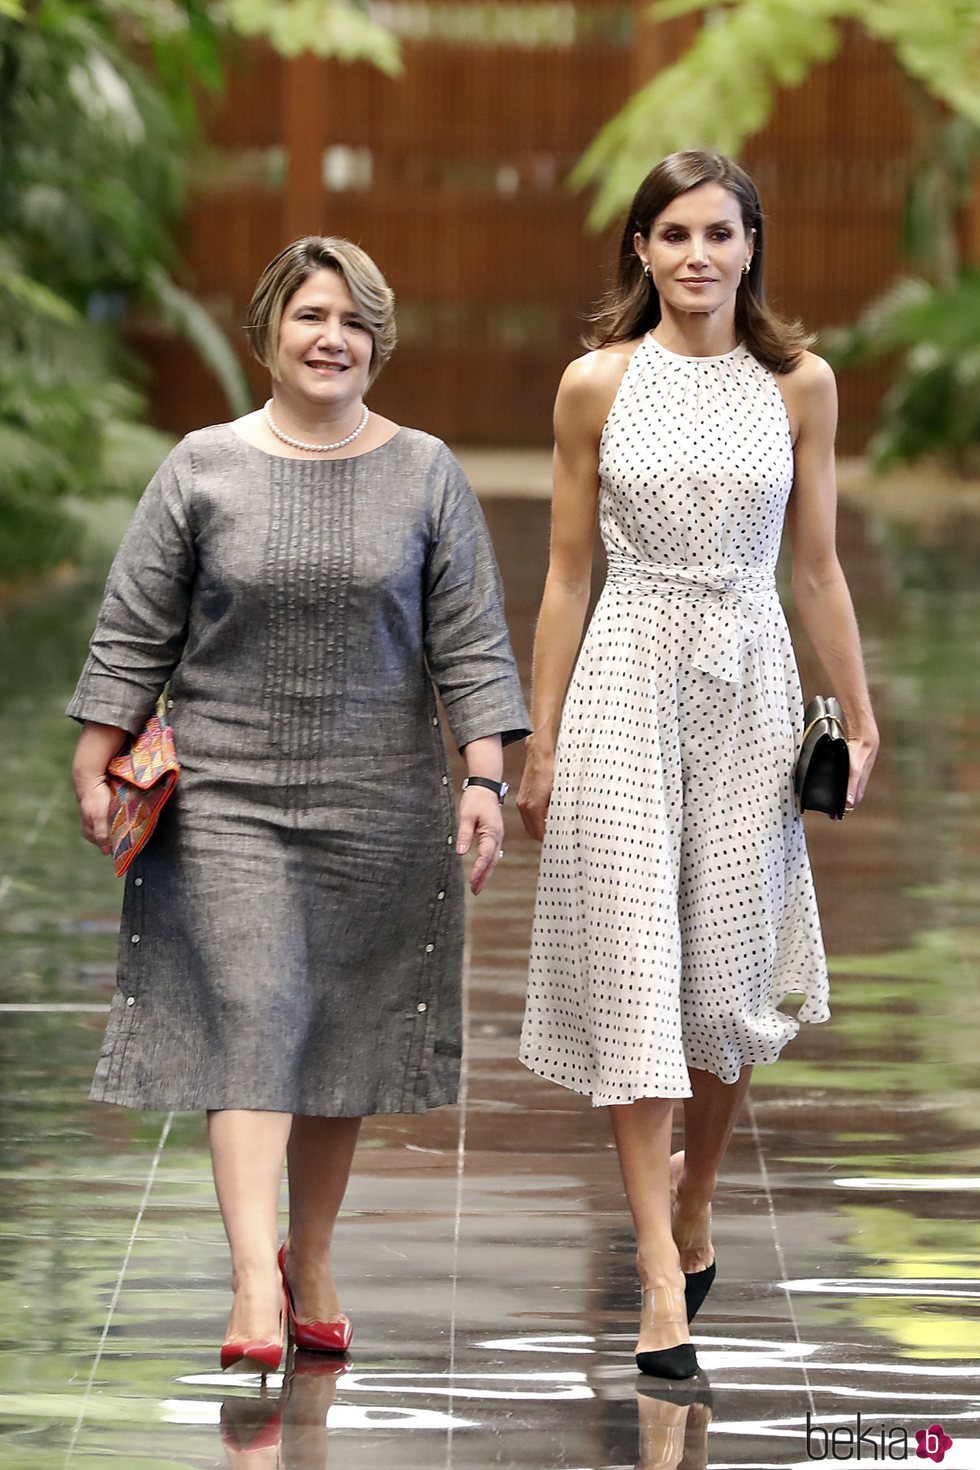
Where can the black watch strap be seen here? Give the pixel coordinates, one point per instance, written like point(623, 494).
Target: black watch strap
point(499, 788)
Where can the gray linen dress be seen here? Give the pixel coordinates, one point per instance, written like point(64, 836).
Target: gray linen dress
point(291, 936)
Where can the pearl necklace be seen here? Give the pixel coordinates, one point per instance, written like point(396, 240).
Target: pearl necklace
point(314, 448)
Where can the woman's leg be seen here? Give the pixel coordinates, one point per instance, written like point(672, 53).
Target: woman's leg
point(642, 1131)
point(319, 1156)
point(709, 1118)
point(310, 1391)
point(663, 1423)
point(248, 1149)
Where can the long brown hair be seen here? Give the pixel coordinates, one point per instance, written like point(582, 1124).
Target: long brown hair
point(632, 307)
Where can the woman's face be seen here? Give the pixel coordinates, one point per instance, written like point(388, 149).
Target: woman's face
point(325, 346)
point(697, 249)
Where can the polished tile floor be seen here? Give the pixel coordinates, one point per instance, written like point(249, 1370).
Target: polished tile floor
point(484, 1250)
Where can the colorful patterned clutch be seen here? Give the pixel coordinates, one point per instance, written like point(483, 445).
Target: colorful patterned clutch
point(141, 778)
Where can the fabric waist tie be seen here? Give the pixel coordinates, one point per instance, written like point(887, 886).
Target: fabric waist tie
point(736, 603)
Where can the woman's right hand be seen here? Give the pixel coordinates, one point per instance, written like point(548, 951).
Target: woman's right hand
point(97, 744)
point(93, 808)
point(535, 793)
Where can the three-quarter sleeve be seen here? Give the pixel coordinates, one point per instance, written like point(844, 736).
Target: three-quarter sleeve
point(142, 623)
point(466, 641)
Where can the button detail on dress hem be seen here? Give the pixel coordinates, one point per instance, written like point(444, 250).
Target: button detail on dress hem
point(429, 948)
point(441, 893)
point(421, 1006)
point(138, 882)
point(134, 939)
point(130, 1000)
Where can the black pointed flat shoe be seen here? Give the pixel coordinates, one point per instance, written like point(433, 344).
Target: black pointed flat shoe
point(681, 1393)
point(673, 1362)
point(697, 1284)
point(662, 1307)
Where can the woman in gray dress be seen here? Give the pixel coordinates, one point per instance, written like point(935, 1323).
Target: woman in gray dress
point(291, 943)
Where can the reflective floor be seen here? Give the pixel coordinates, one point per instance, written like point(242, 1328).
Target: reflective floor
point(484, 1250)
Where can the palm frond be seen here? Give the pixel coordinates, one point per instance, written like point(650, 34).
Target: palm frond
point(131, 454)
point(197, 324)
point(721, 91)
point(341, 28)
point(933, 406)
point(25, 292)
point(938, 43)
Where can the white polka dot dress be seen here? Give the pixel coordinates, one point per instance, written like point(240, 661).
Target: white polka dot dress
point(675, 908)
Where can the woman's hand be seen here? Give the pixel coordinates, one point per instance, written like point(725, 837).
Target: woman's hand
point(863, 750)
point(93, 808)
point(481, 815)
point(97, 744)
point(534, 796)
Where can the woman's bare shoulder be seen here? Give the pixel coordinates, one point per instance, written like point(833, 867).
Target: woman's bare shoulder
point(811, 376)
point(809, 391)
point(590, 382)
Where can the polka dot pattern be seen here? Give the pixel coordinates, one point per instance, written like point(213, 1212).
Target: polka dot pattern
point(675, 908)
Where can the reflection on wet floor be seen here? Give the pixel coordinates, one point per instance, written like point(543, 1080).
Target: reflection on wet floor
point(485, 1250)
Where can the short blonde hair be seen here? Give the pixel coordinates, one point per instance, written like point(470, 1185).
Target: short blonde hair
point(283, 276)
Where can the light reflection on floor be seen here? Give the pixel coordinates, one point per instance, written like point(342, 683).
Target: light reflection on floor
point(485, 1250)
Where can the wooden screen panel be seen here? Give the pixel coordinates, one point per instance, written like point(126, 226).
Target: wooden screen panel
point(833, 165)
point(472, 263)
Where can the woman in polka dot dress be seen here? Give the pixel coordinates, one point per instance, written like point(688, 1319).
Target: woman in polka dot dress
point(675, 908)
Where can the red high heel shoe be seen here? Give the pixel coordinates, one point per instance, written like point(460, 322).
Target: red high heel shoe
point(262, 1356)
point(314, 1337)
point(247, 1424)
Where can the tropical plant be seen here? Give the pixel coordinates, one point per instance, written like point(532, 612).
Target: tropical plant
point(98, 109)
point(933, 406)
point(722, 89)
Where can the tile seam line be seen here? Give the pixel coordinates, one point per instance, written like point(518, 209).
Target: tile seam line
point(117, 1289)
point(778, 1247)
point(60, 1009)
point(30, 838)
point(458, 1209)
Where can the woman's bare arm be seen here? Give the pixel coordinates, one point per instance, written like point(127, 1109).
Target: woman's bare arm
point(819, 587)
point(585, 396)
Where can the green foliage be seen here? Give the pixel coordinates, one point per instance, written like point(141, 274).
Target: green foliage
point(98, 108)
point(933, 406)
point(341, 28)
point(940, 188)
point(721, 91)
point(84, 196)
point(67, 420)
point(182, 311)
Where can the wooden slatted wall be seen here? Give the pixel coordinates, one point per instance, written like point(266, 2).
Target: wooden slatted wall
point(453, 178)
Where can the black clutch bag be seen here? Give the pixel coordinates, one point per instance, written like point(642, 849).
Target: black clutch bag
point(823, 765)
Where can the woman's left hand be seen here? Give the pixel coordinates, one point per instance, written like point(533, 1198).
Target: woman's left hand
point(480, 815)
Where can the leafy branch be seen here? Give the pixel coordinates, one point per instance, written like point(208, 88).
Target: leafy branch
point(99, 105)
point(341, 28)
point(722, 90)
